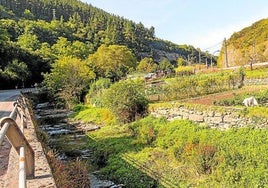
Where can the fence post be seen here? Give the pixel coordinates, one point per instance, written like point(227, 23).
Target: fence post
point(17, 140)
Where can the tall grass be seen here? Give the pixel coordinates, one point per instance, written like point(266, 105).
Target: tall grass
point(182, 154)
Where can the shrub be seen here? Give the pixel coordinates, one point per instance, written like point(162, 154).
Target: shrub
point(185, 70)
point(68, 174)
point(96, 90)
point(126, 100)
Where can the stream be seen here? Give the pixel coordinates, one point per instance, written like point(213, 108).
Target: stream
point(68, 138)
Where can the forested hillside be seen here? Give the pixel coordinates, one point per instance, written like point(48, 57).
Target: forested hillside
point(246, 46)
point(37, 32)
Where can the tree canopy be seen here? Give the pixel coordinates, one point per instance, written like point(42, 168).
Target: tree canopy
point(112, 61)
point(147, 65)
point(39, 33)
point(69, 77)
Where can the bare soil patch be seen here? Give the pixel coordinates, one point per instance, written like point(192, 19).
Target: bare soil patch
point(209, 99)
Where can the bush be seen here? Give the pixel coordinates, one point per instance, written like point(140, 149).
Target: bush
point(126, 100)
point(96, 90)
point(68, 174)
point(185, 71)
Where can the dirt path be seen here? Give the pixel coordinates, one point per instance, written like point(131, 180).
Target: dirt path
point(209, 99)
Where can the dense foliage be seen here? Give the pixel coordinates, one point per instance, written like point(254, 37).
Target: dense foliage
point(38, 32)
point(48, 20)
point(69, 77)
point(113, 62)
point(195, 85)
point(182, 154)
point(126, 100)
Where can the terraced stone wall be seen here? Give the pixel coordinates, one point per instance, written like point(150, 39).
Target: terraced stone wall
point(222, 120)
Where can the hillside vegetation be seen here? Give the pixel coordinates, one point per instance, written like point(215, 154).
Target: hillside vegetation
point(38, 32)
point(250, 45)
point(181, 154)
point(97, 65)
point(155, 152)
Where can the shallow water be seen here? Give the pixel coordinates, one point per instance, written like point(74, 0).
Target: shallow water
point(69, 141)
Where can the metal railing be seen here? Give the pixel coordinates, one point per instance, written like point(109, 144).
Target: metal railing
point(15, 135)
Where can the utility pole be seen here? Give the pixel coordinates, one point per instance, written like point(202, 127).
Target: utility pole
point(226, 55)
point(199, 57)
point(254, 51)
point(254, 55)
point(54, 14)
point(211, 60)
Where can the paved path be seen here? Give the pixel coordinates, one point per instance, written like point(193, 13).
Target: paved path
point(9, 159)
point(7, 98)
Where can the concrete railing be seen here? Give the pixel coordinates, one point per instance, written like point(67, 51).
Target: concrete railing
point(14, 133)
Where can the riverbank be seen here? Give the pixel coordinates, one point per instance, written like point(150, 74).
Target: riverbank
point(66, 144)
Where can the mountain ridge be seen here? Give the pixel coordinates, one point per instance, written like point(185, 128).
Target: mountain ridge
point(100, 27)
point(247, 46)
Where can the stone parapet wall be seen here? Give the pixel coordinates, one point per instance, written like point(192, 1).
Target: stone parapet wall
point(43, 175)
point(222, 120)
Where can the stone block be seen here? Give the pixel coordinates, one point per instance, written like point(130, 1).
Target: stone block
point(196, 118)
point(216, 119)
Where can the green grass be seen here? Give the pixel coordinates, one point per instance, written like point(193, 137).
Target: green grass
point(257, 112)
point(89, 114)
point(181, 154)
point(257, 73)
point(109, 144)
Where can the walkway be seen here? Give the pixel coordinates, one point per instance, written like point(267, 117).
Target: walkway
point(9, 160)
point(7, 99)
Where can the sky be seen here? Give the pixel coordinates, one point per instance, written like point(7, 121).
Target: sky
point(201, 23)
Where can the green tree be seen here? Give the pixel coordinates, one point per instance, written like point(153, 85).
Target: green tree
point(79, 50)
point(75, 22)
point(147, 65)
point(112, 61)
point(181, 62)
point(17, 71)
point(4, 36)
point(165, 65)
point(126, 99)
point(29, 41)
point(28, 14)
point(62, 48)
point(45, 51)
point(69, 77)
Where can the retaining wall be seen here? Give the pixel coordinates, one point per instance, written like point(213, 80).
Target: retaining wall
point(225, 119)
